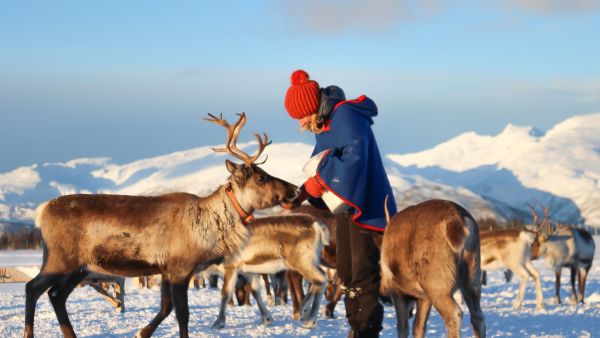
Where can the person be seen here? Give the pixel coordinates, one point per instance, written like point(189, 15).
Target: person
point(352, 170)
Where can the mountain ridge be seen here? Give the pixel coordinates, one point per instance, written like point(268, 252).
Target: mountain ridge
point(493, 176)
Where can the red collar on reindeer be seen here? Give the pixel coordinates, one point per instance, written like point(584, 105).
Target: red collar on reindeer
point(244, 216)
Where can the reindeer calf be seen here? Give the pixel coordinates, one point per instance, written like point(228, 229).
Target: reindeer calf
point(279, 243)
point(511, 249)
point(429, 251)
point(571, 248)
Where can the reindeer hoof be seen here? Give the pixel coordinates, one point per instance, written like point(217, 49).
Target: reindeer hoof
point(305, 315)
point(328, 313)
point(539, 307)
point(516, 305)
point(309, 324)
point(218, 325)
point(296, 316)
point(266, 321)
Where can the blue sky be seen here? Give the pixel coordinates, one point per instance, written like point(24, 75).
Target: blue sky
point(131, 79)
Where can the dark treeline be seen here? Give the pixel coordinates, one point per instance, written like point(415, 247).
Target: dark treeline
point(28, 239)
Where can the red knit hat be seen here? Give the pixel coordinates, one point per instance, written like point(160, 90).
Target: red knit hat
point(302, 98)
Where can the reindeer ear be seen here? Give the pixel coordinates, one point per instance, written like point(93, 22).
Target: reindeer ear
point(231, 167)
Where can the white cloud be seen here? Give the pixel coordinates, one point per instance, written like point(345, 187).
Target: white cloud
point(554, 7)
point(338, 16)
point(18, 180)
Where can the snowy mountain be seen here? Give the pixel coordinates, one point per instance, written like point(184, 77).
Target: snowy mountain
point(559, 169)
point(492, 176)
point(198, 171)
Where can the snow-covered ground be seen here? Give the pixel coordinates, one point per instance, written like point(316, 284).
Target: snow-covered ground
point(92, 316)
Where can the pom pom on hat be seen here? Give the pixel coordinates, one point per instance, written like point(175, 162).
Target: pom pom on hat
point(299, 77)
point(303, 96)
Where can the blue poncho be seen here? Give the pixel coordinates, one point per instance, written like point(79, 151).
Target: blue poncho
point(353, 169)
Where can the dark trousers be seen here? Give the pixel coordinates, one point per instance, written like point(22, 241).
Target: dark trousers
point(357, 260)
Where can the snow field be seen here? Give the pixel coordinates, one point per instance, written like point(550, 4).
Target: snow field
point(92, 316)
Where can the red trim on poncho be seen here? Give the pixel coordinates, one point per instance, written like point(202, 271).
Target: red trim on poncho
point(357, 100)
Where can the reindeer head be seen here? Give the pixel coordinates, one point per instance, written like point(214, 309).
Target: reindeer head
point(254, 187)
point(540, 231)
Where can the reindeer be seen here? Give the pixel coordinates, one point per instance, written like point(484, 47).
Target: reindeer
point(567, 247)
point(142, 235)
point(279, 243)
point(333, 291)
point(511, 249)
point(428, 252)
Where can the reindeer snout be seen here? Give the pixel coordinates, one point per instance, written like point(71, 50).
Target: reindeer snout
point(290, 195)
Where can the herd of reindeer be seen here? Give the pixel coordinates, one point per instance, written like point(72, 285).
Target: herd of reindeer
point(429, 251)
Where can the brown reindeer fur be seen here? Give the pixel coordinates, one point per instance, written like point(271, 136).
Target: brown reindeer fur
point(135, 235)
point(429, 251)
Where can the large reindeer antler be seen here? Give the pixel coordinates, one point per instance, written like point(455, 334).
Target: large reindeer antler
point(233, 131)
point(539, 227)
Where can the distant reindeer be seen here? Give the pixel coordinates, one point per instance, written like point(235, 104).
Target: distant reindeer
point(277, 243)
point(141, 235)
point(567, 247)
point(428, 252)
point(511, 249)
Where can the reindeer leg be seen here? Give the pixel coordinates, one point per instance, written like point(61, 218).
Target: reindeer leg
point(310, 309)
point(402, 314)
point(472, 296)
point(523, 275)
point(166, 306)
point(573, 289)
point(306, 305)
point(229, 279)
point(58, 295)
point(279, 288)
point(296, 291)
point(265, 316)
point(450, 312)
point(242, 291)
point(420, 324)
point(213, 281)
point(270, 298)
point(312, 302)
point(539, 296)
point(583, 272)
point(180, 302)
point(557, 285)
point(33, 290)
